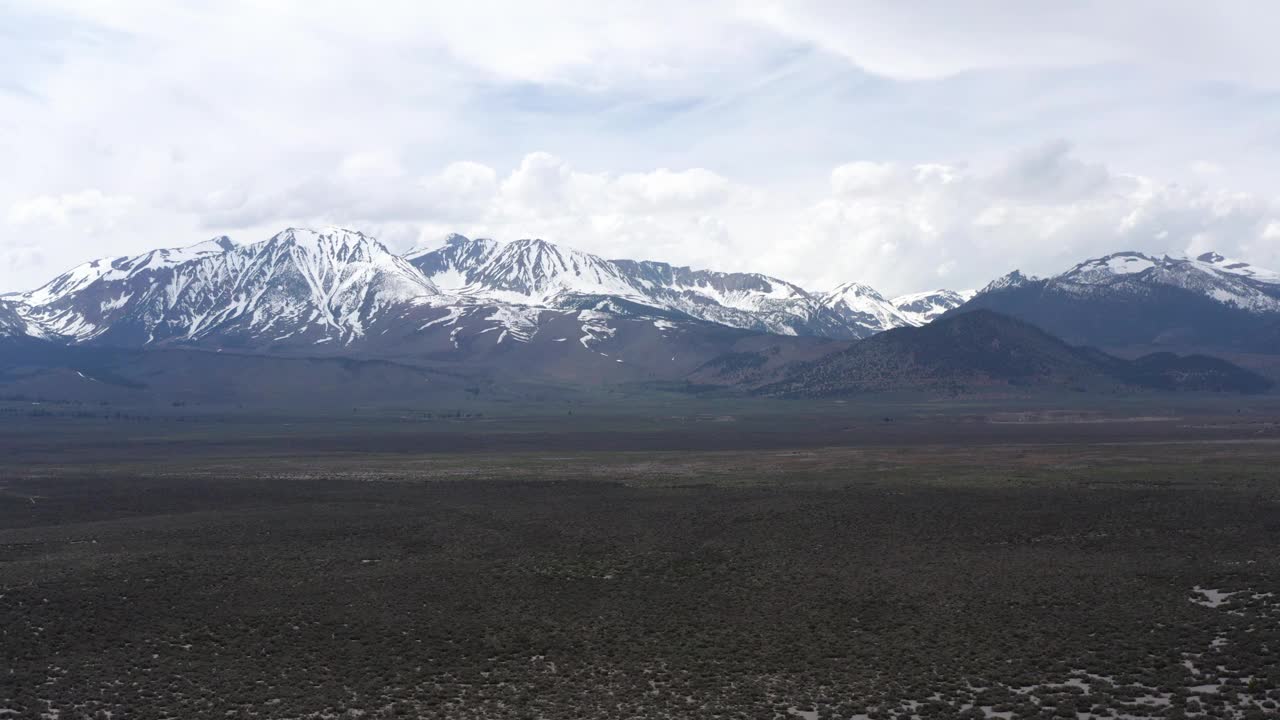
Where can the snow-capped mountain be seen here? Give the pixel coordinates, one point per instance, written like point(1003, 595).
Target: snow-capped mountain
point(301, 284)
point(451, 267)
point(537, 273)
point(13, 325)
point(749, 301)
point(527, 305)
point(1012, 279)
point(923, 308)
point(533, 308)
point(861, 305)
point(1130, 298)
point(1232, 283)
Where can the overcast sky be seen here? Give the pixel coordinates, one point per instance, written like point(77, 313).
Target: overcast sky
point(905, 145)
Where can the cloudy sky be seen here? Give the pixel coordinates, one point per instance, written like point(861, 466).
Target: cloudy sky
point(936, 146)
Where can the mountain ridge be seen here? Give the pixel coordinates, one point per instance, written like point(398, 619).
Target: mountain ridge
point(539, 273)
point(984, 351)
point(315, 283)
point(1130, 299)
point(532, 305)
point(97, 300)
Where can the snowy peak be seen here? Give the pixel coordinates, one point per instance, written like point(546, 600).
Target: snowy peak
point(852, 291)
point(453, 266)
point(337, 244)
point(329, 283)
point(750, 301)
point(1110, 267)
point(1117, 265)
point(524, 272)
point(120, 268)
point(1132, 276)
point(538, 272)
point(334, 261)
point(1213, 262)
point(334, 285)
point(743, 291)
point(177, 256)
point(862, 305)
point(455, 246)
point(220, 244)
point(1132, 299)
point(1225, 281)
point(13, 325)
point(925, 307)
point(1014, 279)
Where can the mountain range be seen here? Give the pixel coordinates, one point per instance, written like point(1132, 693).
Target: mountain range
point(983, 351)
point(1132, 300)
point(536, 273)
point(530, 308)
point(340, 292)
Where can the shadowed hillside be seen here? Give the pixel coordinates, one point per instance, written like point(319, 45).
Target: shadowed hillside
point(981, 350)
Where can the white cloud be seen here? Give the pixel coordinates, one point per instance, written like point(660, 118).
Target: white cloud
point(365, 187)
point(1227, 41)
point(863, 177)
point(464, 187)
point(899, 227)
point(545, 185)
point(1050, 173)
point(704, 133)
point(660, 214)
point(33, 226)
point(91, 209)
point(664, 190)
point(1042, 211)
point(896, 226)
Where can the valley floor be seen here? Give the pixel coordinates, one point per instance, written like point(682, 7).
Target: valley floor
point(817, 564)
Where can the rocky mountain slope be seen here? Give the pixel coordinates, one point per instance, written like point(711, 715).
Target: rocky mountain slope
point(531, 307)
point(536, 273)
point(982, 352)
point(925, 307)
point(298, 286)
point(305, 288)
point(525, 307)
point(13, 324)
point(1131, 299)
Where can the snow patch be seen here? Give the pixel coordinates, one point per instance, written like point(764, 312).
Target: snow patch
point(595, 327)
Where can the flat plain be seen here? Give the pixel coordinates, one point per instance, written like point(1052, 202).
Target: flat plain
point(788, 562)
